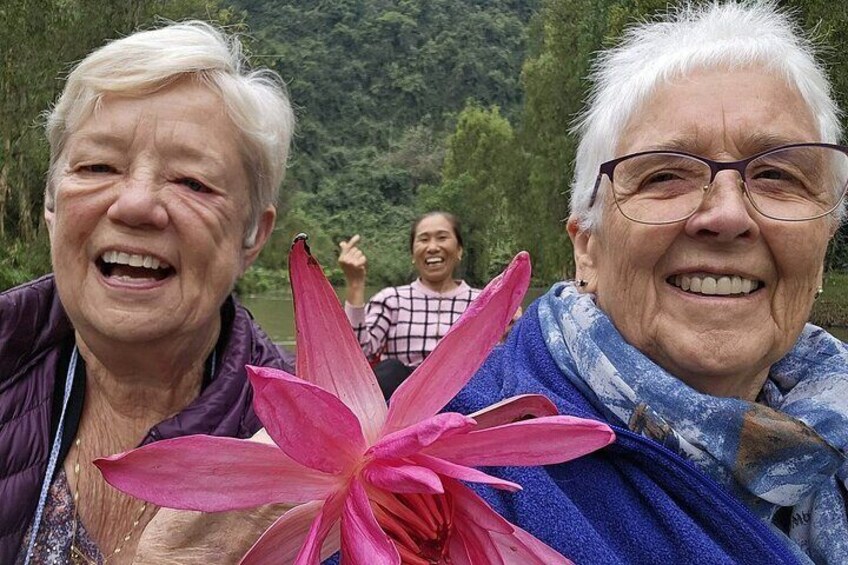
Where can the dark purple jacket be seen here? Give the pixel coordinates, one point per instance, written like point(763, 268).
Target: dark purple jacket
point(34, 330)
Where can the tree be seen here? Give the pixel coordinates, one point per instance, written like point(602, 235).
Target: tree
point(476, 177)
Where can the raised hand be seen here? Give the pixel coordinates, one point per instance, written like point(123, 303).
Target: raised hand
point(352, 261)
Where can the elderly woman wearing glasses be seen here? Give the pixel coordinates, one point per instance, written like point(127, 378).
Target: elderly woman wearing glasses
point(708, 184)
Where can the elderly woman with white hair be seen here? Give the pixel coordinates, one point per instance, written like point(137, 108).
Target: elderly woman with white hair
point(166, 154)
point(708, 184)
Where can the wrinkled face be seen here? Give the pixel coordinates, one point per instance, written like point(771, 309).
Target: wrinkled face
point(435, 250)
point(151, 209)
point(658, 283)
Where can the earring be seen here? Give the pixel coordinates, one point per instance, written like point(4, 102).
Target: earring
point(581, 283)
point(819, 292)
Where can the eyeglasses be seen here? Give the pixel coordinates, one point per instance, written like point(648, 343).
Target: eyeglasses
point(793, 183)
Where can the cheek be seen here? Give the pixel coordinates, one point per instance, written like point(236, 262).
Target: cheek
point(211, 240)
point(76, 216)
point(213, 218)
point(798, 253)
point(628, 259)
point(798, 256)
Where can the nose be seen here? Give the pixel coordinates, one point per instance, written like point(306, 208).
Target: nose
point(138, 203)
point(726, 214)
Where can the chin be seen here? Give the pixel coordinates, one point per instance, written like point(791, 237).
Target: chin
point(721, 363)
point(129, 327)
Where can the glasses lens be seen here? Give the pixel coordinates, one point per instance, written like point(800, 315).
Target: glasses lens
point(659, 187)
point(797, 183)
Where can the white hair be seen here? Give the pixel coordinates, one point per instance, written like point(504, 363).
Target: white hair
point(147, 61)
point(728, 35)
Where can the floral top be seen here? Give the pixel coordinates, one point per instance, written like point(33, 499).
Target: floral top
point(53, 542)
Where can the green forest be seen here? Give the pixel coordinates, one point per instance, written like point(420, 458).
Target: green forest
point(403, 106)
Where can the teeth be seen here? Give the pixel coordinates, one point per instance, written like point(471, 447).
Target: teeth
point(724, 285)
point(433, 260)
point(133, 260)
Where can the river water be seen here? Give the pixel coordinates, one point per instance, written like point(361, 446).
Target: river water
point(274, 313)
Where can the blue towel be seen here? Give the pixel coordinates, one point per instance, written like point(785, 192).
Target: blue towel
point(632, 502)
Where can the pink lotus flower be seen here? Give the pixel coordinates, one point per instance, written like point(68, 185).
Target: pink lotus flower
point(389, 477)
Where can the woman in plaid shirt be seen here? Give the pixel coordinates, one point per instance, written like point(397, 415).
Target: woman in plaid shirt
point(402, 324)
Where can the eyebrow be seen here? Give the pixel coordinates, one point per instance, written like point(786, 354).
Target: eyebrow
point(751, 144)
point(206, 158)
point(102, 139)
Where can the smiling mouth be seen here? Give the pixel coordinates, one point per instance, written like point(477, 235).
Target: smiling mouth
point(434, 261)
point(715, 285)
point(133, 267)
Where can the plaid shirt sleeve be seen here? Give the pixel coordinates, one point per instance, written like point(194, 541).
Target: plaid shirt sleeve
point(372, 322)
point(404, 324)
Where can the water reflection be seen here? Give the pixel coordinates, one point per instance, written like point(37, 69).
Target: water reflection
point(275, 314)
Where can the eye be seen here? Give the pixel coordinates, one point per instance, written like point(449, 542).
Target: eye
point(98, 169)
point(664, 176)
point(773, 174)
point(193, 184)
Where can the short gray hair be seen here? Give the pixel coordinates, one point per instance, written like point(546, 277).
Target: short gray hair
point(732, 34)
point(147, 61)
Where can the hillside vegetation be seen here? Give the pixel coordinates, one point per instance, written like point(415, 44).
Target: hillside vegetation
point(403, 106)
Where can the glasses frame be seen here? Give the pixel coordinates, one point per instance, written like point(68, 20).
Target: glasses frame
point(608, 169)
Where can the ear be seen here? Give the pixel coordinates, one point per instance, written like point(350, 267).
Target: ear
point(584, 261)
point(459, 254)
point(263, 231)
point(49, 219)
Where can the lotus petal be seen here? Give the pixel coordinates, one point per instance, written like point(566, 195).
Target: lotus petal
point(363, 541)
point(463, 473)
point(415, 437)
point(478, 544)
point(282, 541)
point(397, 476)
point(328, 354)
point(522, 548)
point(474, 510)
point(212, 474)
point(310, 425)
point(461, 352)
point(487, 532)
point(542, 441)
point(457, 551)
point(325, 520)
point(514, 409)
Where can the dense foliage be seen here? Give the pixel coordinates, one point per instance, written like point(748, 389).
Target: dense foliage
point(403, 106)
point(378, 85)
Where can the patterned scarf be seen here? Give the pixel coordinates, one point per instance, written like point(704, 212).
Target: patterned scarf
point(786, 450)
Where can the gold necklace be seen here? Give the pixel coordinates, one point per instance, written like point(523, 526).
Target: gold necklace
point(78, 556)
